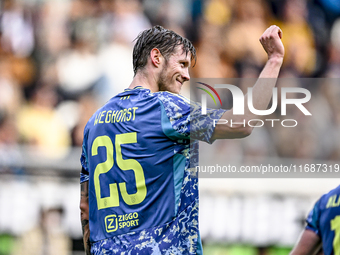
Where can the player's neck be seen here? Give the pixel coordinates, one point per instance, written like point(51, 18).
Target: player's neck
point(147, 81)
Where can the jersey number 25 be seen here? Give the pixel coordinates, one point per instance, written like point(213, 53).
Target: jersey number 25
point(123, 164)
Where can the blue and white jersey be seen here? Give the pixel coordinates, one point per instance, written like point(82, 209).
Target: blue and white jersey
point(138, 153)
point(324, 220)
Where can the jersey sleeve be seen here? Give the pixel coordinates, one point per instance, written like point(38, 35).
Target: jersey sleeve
point(84, 174)
point(186, 119)
point(313, 219)
point(202, 126)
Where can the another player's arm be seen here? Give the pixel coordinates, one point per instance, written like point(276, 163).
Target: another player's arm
point(262, 90)
point(308, 244)
point(84, 215)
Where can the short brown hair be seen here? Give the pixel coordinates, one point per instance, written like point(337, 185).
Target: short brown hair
point(164, 40)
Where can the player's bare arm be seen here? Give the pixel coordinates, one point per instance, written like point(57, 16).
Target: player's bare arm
point(84, 215)
point(262, 90)
point(309, 244)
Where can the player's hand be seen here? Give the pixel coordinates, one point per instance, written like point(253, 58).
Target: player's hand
point(271, 42)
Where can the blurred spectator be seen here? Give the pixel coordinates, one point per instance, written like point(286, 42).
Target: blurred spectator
point(48, 238)
point(212, 62)
point(250, 20)
point(218, 12)
point(126, 22)
point(297, 37)
point(78, 69)
point(40, 125)
point(128, 19)
point(172, 14)
point(9, 148)
point(87, 106)
point(52, 29)
point(115, 62)
point(333, 68)
point(17, 29)
point(10, 92)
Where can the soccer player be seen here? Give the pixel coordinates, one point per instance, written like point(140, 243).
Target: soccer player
point(138, 193)
point(323, 227)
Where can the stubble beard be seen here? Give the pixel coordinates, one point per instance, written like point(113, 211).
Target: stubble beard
point(162, 83)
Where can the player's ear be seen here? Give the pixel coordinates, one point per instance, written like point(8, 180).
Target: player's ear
point(156, 57)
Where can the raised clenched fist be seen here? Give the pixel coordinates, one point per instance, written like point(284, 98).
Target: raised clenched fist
point(271, 42)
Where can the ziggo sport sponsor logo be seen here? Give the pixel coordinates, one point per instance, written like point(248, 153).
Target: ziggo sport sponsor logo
point(114, 222)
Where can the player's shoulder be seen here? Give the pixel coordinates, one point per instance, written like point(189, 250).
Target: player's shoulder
point(335, 191)
point(328, 197)
point(174, 103)
point(176, 106)
point(169, 96)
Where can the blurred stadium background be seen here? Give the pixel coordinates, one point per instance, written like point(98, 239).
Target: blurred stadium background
point(61, 59)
